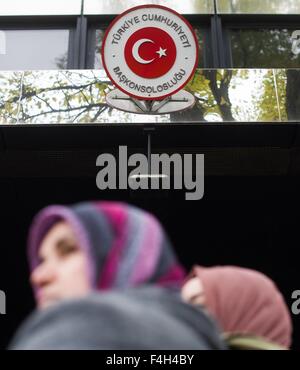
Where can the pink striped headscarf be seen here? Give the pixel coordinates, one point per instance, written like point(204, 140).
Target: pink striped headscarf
point(126, 246)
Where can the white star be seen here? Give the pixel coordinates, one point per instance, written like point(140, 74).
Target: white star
point(161, 52)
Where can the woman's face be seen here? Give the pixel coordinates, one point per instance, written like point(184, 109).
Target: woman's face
point(193, 292)
point(63, 269)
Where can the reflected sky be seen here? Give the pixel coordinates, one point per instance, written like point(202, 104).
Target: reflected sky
point(78, 96)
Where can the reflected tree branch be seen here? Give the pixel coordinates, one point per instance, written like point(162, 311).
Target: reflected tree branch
point(84, 107)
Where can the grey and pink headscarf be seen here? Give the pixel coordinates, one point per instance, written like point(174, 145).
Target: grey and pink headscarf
point(125, 245)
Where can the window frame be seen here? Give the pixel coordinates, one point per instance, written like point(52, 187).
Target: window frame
point(217, 50)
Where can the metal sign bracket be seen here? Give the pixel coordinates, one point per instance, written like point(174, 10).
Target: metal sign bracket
point(177, 102)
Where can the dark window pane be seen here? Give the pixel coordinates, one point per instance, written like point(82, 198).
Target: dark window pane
point(34, 49)
point(288, 82)
point(100, 34)
point(201, 41)
point(264, 48)
point(99, 39)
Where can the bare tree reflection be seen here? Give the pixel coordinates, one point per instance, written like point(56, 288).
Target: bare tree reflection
point(79, 97)
point(48, 96)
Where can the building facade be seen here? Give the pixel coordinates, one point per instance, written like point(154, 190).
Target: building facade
point(54, 122)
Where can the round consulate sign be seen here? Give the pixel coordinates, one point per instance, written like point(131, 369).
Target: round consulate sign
point(150, 52)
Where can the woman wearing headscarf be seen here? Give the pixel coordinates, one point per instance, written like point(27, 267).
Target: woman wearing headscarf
point(247, 305)
point(105, 276)
point(98, 246)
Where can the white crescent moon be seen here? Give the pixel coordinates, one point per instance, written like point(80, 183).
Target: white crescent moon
point(135, 51)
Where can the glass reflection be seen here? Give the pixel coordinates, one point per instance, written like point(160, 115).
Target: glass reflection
point(34, 49)
point(10, 91)
point(68, 97)
point(222, 95)
point(259, 6)
point(118, 6)
point(71, 97)
point(264, 48)
point(38, 7)
point(232, 95)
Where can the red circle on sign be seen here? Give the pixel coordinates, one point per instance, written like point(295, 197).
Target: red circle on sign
point(150, 52)
point(106, 46)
